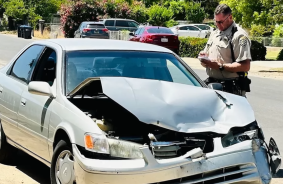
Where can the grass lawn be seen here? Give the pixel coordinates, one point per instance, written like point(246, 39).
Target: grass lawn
point(272, 53)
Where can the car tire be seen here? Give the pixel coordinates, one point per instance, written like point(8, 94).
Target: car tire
point(64, 157)
point(7, 152)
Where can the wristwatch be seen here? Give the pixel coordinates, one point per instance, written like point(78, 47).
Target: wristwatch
point(221, 68)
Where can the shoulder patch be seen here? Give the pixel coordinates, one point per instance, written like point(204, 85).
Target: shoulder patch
point(243, 41)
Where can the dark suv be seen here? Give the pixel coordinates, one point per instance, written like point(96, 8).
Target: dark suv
point(89, 29)
point(114, 24)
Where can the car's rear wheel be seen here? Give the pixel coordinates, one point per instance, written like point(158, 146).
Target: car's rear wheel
point(62, 165)
point(7, 151)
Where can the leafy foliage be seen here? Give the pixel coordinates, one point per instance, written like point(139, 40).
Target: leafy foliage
point(277, 36)
point(194, 12)
point(259, 12)
point(258, 51)
point(261, 31)
point(280, 55)
point(16, 9)
point(158, 15)
point(190, 47)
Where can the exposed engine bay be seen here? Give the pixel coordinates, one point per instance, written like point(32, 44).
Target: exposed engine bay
point(120, 124)
point(126, 133)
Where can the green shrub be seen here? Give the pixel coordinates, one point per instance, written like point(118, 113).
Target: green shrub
point(261, 31)
point(190, 47)
point(258, 51)
point(277, 35)
point(280, 55)
point(159, 15)
point(171, 23)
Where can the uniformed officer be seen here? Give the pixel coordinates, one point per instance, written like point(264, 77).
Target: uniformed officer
point(228, 49)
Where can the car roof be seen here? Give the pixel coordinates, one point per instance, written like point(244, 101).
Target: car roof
point(93, 22)
point(103, 44)
point(148, 27)
point(117, 19)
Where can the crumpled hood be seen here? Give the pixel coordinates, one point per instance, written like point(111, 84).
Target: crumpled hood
point(179, 107)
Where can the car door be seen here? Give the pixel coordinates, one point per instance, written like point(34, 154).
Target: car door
point(33, 112)
point(193, 31)
point(110, 25)
point(12, 87)
point(121, 25)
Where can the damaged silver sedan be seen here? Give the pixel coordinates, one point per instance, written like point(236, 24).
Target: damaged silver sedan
point(107, 111)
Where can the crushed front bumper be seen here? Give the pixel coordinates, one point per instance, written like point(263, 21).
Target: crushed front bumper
point(234, 164)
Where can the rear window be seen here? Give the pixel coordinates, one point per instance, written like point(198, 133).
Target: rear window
point(124, 23)
point(95, 26)
point(160, 30)
point(203, 27)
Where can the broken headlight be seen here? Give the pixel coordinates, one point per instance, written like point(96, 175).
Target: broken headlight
point(96, 143)
point(231, 139)
point(124, 149)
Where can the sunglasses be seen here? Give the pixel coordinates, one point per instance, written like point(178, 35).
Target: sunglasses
point(221, 22)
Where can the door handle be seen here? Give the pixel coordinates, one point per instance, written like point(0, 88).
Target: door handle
point(1, 89)
point(23, 102)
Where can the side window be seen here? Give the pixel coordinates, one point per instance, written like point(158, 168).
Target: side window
point(109, 23)
point(45, 69)
point(121, 23)
point(132, 24)
point(191, 28)
point(137, 32)
point(25, 63)
point(183, 28)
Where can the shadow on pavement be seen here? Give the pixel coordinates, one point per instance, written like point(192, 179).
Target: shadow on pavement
point(32, 168)
point(279, 174)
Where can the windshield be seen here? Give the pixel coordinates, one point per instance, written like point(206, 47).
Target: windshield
point(160, 30)
point(203, 27)
point(81, 65)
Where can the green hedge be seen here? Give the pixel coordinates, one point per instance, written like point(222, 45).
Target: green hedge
point(190, 47)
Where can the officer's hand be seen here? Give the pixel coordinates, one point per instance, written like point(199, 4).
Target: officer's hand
point(214, 64)
point(202, 53)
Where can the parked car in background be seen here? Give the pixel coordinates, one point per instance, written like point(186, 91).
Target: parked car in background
point(92, 30)
point(115, 24)
point(204, 27)
point(161, 36)
point(192, 30)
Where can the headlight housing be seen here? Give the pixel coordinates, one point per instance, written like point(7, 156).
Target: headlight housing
point(230, 139)
point(96, 143)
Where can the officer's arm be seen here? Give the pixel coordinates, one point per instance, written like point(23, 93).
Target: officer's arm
point(242, 66)
point(242, 51)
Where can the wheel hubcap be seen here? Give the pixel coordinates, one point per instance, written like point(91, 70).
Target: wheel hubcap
point(64, 169)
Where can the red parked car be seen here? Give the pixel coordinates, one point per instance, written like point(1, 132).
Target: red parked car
point(161, 36)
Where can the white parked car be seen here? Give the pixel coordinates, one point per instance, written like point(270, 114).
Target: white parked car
point(120, 112)
point(192, 30)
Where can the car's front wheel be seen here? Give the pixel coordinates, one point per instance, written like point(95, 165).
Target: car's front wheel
point(62, 165)
point(7, 151)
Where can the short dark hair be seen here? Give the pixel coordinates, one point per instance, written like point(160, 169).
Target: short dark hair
point(222, 8)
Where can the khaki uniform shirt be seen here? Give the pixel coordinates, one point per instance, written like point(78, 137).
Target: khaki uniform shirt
point(218, 48)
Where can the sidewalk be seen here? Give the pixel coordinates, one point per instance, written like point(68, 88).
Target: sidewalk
point(264, 69)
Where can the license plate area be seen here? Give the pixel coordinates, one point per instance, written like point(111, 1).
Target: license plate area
point(164, 39)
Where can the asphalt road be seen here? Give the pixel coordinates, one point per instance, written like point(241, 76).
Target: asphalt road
point(266, 98)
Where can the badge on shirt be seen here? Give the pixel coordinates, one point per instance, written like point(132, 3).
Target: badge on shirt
point(243, 41)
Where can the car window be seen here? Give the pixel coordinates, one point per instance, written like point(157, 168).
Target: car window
point(203, 27)
point(109, 23)
point(192, 28)
point(81, 65)
point(81, 26)
point(137, 31)
point(45, 69)
point(141, 31)
point(160, 30)
point(95, 26)
point(24, 64)
point(121, 23)
point(183, 28)
point(132, 24)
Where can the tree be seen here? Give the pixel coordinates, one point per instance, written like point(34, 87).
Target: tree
point(16, 9)
point(159, 15)
point(259, 12)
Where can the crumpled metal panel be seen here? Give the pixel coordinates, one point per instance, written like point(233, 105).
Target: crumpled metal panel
point(179, 107)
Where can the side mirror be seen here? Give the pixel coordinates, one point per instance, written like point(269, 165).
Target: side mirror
point(216, 86)
point(40, 88)
point(131, 34)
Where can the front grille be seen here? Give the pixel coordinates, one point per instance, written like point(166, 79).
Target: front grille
point(217, 176)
